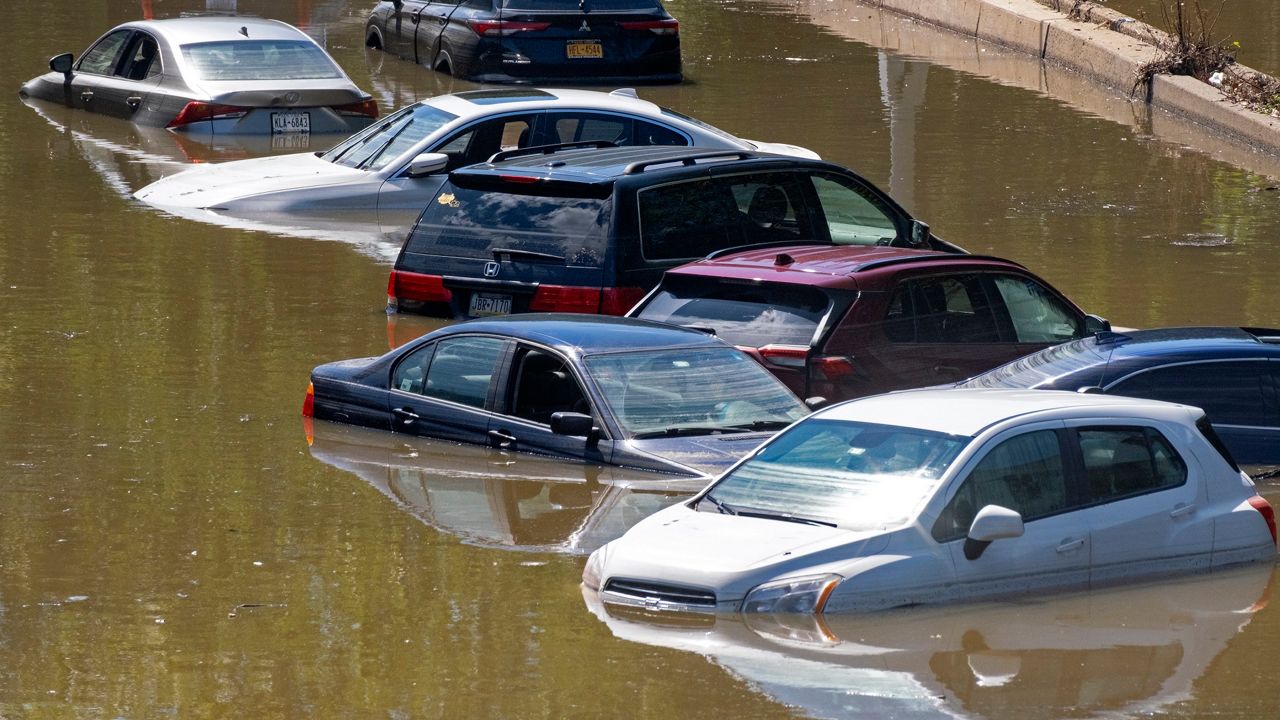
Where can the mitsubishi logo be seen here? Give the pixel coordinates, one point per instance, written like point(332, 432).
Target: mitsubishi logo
point(585, 27)
point(491, 269)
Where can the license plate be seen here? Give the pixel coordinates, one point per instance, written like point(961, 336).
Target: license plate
point(483, 304)
point(290, 123)
point(578, 49)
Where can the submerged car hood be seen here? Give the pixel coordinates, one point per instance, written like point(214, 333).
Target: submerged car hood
point(707, 454)
point(218, 185)
point(730, 554)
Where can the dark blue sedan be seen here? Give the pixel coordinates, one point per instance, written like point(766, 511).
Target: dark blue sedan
point(606, 390)
point(1233, 374)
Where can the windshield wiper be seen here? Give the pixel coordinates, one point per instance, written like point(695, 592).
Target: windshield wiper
point(724, 508)
point(783, 516)
point(763, 425)
point(687, 430)
point(514, 253)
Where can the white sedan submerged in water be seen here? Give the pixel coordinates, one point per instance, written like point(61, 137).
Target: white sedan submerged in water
point(939, 495)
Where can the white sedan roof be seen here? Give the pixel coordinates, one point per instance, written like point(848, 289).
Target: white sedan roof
point(967, 411)
point(477, 103)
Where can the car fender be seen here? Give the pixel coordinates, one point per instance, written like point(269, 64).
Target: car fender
point(886, 581)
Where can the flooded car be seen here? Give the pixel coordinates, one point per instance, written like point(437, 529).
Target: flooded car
point(391, 170)
point(498, 498)
point(604, 390)
point(214, 75)
point(1120, 652)
point(945, 495)
point(532, 41)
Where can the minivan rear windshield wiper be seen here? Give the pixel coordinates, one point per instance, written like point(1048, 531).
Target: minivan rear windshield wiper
point(515, 253)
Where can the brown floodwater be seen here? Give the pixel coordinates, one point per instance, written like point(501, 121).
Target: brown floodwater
point(173, 546)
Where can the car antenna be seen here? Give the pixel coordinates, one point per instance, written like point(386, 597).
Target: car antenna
point(244, 31)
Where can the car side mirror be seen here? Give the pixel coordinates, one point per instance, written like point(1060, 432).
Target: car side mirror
point(427, 164)
point(1094, 324)
point(575, 424)
point(817, 402)
point(992, 522)
point(919, 234)
point(62, 63)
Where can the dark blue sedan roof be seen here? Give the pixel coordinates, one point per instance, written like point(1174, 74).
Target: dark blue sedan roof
point(585, 334)
point(1166, 344)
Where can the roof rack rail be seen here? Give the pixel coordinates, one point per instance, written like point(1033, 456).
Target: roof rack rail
point(757, 246)
point(1266, 335)
point(550, 149)
point(934, 255)
point(690, 159)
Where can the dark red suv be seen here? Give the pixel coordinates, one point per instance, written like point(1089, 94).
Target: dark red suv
point(846, 321)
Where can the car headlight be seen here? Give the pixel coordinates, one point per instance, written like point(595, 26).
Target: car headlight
point(807, 594)
point(594, 571)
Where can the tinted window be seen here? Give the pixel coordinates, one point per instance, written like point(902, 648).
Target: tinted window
point(952, 309)
point(581, 127)
point(259, 60)
point(463, 222)
point(102, 58)
point(1023, 473)
point(854, 215)
point(479, 142)
point(370, 145)
point(544, 385)
point(687, 220)
point(1037, 315)
point(411, 374)
point(1231, 393)
point(747, 315)
point(770, 207)
point(461, 369)
point(144, 58)
point(1119, 462)
point(859, 476)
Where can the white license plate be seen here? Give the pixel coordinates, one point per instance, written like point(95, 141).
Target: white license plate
point(576, 49)
point(290, 123)
point(483, 304)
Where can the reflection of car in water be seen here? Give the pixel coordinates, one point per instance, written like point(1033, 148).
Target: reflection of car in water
point(494, 497)
point(1125, 652)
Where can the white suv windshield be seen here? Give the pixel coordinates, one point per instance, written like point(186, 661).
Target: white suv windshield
point(857, 476)
point(382, 142)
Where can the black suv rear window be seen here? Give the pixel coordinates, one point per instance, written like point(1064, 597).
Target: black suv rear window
point(472, 223)
point(745, 315)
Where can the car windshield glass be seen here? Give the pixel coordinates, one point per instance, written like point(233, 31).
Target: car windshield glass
point(383, 142)
point(259, 60)
point(691, 391)
point(1046, 365)
point(745, 315)
point(473, 222)
point(859, 476)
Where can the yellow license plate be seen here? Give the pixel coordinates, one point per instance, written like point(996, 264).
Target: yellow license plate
point(576, 49)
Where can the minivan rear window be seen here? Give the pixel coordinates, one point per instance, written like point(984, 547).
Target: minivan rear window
point(471, 223)
point(744, 315)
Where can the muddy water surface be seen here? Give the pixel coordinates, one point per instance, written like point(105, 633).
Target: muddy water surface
point(172, 546)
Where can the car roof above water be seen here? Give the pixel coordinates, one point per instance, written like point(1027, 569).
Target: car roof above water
point(587, 334)
point(604, 165)
point(1191, 342)
point(967, 412)
point(218, 28)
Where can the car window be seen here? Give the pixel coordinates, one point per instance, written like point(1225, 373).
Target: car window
point(238, 60)
point(1120, 462)
point(944, 309)
point(542, 385)
point(143, 59)
point(770, 207)
point(411, 374)
point(686, 220)
point(461, 369)
point(854, 215)
point(1230, 393)
point(860, 476)
point(1038, 316)
point(1023, 473)
point(745, 315)
point(103, 57)
point(479, 142)
point(373, 144)
point(580, 127)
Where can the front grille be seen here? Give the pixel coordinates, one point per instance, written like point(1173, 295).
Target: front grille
point(647, 593)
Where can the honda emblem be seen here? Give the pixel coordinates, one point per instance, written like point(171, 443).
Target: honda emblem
point(491, 269)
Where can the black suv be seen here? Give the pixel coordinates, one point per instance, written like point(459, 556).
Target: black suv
point(586, 228)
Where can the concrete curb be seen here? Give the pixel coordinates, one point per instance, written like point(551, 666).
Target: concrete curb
point(1107, 46)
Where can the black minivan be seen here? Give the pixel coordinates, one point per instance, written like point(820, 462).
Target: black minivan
point(585, 228)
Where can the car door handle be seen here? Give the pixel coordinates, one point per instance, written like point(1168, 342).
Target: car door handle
point(86, 95)
point(1069, 545)
point(502, 438)
point(946, 370)
point(133, 101)
point(406, 415)
point(1182, 509)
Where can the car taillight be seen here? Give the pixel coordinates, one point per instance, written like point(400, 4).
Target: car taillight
point(1263, 507)
point(404, 285)
point(832, 367)
point(503, 28)
point(617, 301)
point(789, 356)
point(562, 298)
point(366, 108)
point(309, 402)
point(657, 27)
point(196, 111)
